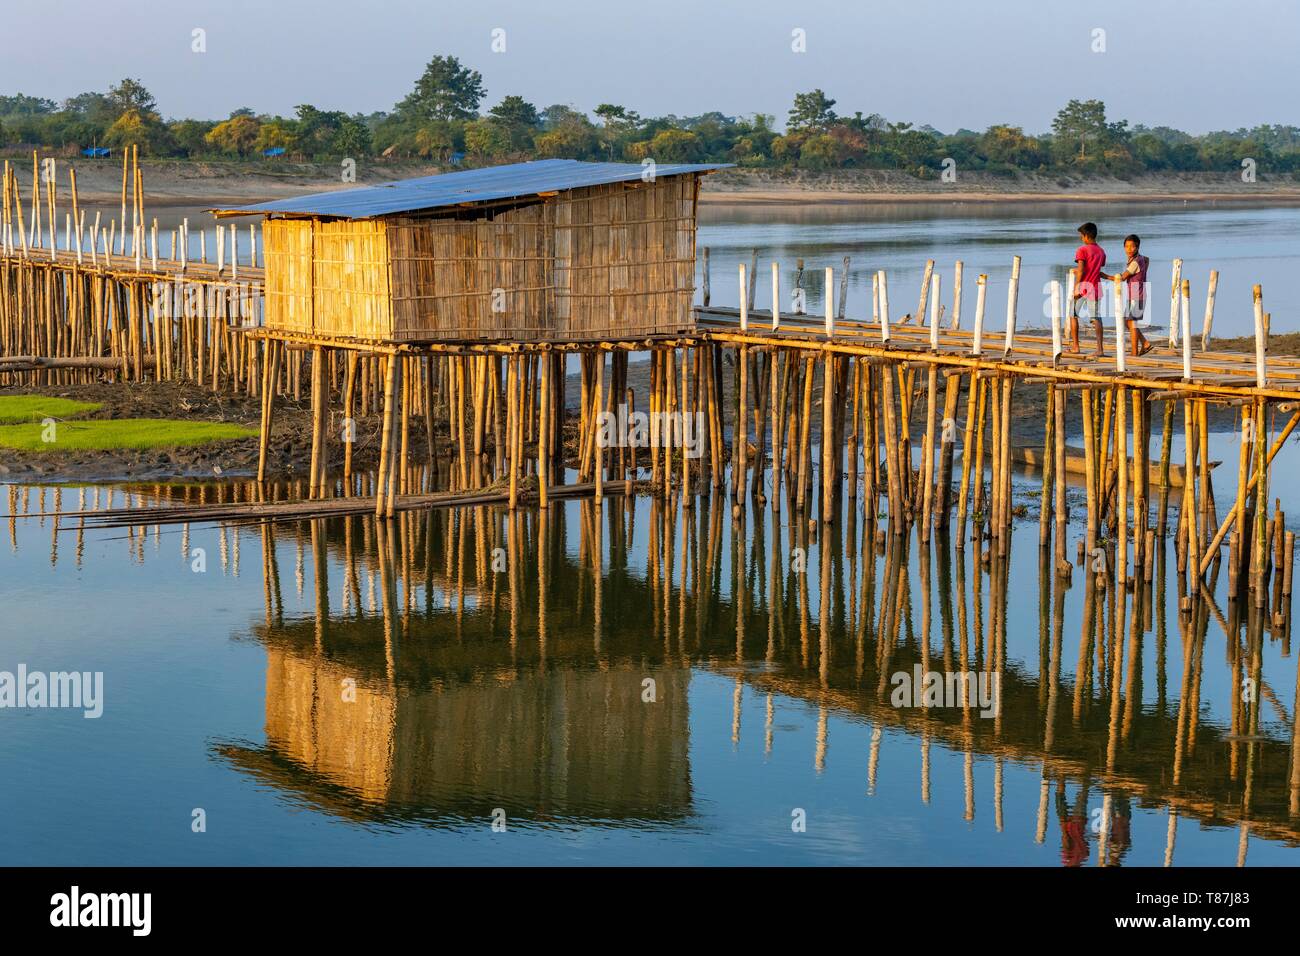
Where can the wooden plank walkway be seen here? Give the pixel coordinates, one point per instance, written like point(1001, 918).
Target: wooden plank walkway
point(1214, 373)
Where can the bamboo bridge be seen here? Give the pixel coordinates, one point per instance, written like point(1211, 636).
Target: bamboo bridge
point(406, 333)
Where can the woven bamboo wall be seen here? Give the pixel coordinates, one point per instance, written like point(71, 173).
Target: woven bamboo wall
point(351, 279)
point(625, 259)
point(287, 287)
point(473, 279)
point(590, 264)
point(327, 277)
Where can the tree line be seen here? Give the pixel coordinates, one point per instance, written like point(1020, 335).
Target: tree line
point(442, 120)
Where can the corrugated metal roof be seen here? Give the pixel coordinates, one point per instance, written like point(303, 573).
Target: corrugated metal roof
point(468, 186)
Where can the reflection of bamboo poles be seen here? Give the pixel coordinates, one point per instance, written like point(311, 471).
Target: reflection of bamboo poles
point(1239, 511)
point(832, 662)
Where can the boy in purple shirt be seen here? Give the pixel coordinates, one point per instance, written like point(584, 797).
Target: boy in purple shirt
point(1089, 258)
point(1135, 277)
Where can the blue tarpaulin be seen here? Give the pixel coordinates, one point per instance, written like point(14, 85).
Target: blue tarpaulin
point(95, 152)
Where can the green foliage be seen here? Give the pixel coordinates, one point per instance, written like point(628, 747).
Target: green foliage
point(1083, 137)
point(811, 111)
point(1009, 146)
point(136, 128)
point(118, 434)
point(326, 133)
point(445, 91)
point(15, 409)
point(190, 136)
point(22, 105)
point(567, 134)
point(672, 146)
point(821, 152)
point(440, 117)
point(278, 132)
point(131, 96)
point(518, 119)
point(566, 142)
point(487, 137)
point(237, 136)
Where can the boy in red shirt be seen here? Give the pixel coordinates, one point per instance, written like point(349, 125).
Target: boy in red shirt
point(1089, 258)
point(1135, 276)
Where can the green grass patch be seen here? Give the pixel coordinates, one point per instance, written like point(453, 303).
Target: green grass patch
point(34, 408)
point(118, 434)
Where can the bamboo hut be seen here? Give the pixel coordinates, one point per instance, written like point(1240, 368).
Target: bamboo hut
point(557, 250)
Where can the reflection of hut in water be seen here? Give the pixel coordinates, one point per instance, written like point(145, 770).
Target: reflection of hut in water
point(440, 736)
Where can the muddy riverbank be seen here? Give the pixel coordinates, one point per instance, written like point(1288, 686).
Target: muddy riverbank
point(289, 449)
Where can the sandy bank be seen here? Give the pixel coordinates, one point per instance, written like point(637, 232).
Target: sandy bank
point(186, 183)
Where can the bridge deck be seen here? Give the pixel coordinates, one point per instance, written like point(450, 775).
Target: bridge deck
point(1216, 373)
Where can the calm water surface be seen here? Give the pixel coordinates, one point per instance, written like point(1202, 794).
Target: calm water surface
point(516, 679)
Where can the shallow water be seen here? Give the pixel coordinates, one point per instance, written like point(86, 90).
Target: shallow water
point(513, 681)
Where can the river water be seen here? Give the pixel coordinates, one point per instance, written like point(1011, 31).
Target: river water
point(643, 684)
point(1245, 244)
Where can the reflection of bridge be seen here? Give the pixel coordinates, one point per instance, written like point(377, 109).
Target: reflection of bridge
point(420, 608)
point(522, 689)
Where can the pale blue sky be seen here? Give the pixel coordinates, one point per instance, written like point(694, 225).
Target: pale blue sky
point(1193, 64)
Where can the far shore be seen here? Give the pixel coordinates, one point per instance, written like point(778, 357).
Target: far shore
point(793, 197)
point(796, 196)
point(175, 183)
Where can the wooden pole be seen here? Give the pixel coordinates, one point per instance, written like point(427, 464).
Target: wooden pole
point(947, 441)
point(1175, 285)
point(919, 318)
point(598, 403)
point(882, 291)
point(1209, 310)
point(1261, 336)
point(967, 456)
point(1189, 495)
point(1013, 293)
point(269, 368)
point(349, 410)
point(777, 415)
point(740, 427)
point(1060, 508)
point(685, 408)
point(544, 436)
point(1090, 468)
point(830, 302)
point(512, 430)
point(776, 297)
point(1056, 322)
point(386, 435)
point(828, 447)
point(1121, 451)
point(956, 294)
